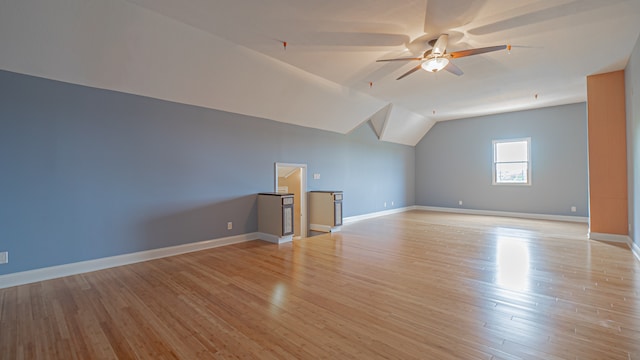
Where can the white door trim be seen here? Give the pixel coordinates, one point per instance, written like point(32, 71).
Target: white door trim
point(303, 192)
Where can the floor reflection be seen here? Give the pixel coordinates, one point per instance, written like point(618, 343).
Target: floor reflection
point(278, 297)
point(512, 262)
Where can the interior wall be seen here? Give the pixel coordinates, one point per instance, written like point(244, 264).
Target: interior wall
point(90, 173)
point(607, 153)
point(454, 162)
point(632, 91)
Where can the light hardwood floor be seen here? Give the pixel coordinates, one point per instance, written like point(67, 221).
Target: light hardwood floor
point(416, 285)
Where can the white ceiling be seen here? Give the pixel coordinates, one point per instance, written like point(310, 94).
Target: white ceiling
point(229, 54)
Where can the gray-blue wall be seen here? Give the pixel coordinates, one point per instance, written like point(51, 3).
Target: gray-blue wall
point(632, 85)
point(454, 162)
point(89, 173)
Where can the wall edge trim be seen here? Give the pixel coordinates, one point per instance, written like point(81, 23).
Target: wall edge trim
point(580, 219)
point(58, 271)
point(356, 218)
point(275, 239)
point(635, 249)
point(616, 238)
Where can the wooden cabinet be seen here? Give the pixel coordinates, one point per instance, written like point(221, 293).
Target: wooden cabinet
point(325, 210)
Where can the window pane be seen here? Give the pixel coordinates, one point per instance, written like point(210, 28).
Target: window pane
point(514, 173)
point(511, 151)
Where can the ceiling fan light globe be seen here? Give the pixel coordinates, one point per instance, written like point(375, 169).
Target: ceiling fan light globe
point(435, 64)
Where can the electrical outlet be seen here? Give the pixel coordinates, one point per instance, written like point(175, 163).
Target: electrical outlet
point(392, 203)
point(316, 176)
point(460, 202)
point(4, 257)
point(385, 204)
point(574, 209)
point(229, 225)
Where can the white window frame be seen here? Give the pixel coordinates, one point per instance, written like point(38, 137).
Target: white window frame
point(494, 162)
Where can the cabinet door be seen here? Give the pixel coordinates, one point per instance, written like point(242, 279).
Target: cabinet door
point(287, 220)
point(337, 213)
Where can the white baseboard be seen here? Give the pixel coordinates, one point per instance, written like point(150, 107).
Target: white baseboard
point(30, 276)
point(624, 239)
point(580, 219)
point(635, 249)
point(609, 237)
point(352, 219)
point(275, 238)
point(325, 228)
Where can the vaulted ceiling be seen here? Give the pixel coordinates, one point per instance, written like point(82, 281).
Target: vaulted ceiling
point(230, 54)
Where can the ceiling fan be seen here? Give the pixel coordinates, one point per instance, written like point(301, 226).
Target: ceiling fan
point(437, 58)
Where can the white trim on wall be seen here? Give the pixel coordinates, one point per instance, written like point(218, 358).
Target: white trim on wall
point(352, 219)
point(275, 238)
point(635, 249)
point(579, 219)
point(609, 237)
point(52, 272)
point(325, 228)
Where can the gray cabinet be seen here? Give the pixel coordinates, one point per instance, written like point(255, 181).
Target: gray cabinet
point(275, 216)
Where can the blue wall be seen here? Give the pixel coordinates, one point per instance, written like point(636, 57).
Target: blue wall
point(632, 90)
point(89, 173)
point(454, 162)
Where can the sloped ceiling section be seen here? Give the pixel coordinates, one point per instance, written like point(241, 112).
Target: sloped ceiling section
point(406, 126)
point(230, 54)
point(121, 46)
point(379, 120)
point(396, 124)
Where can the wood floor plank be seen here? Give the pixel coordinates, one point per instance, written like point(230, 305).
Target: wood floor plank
point(415, 285)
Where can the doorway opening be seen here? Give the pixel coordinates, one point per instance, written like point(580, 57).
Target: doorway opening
point(292, 179)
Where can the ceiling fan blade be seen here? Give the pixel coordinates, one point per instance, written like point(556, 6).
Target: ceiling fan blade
point(442, 15)
point(469, 52)
point(401, 59)
point(551, 13)
point(440, 45)
point(452, 68)
point(410, 72)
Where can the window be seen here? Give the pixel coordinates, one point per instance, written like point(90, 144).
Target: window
point(512, 161)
